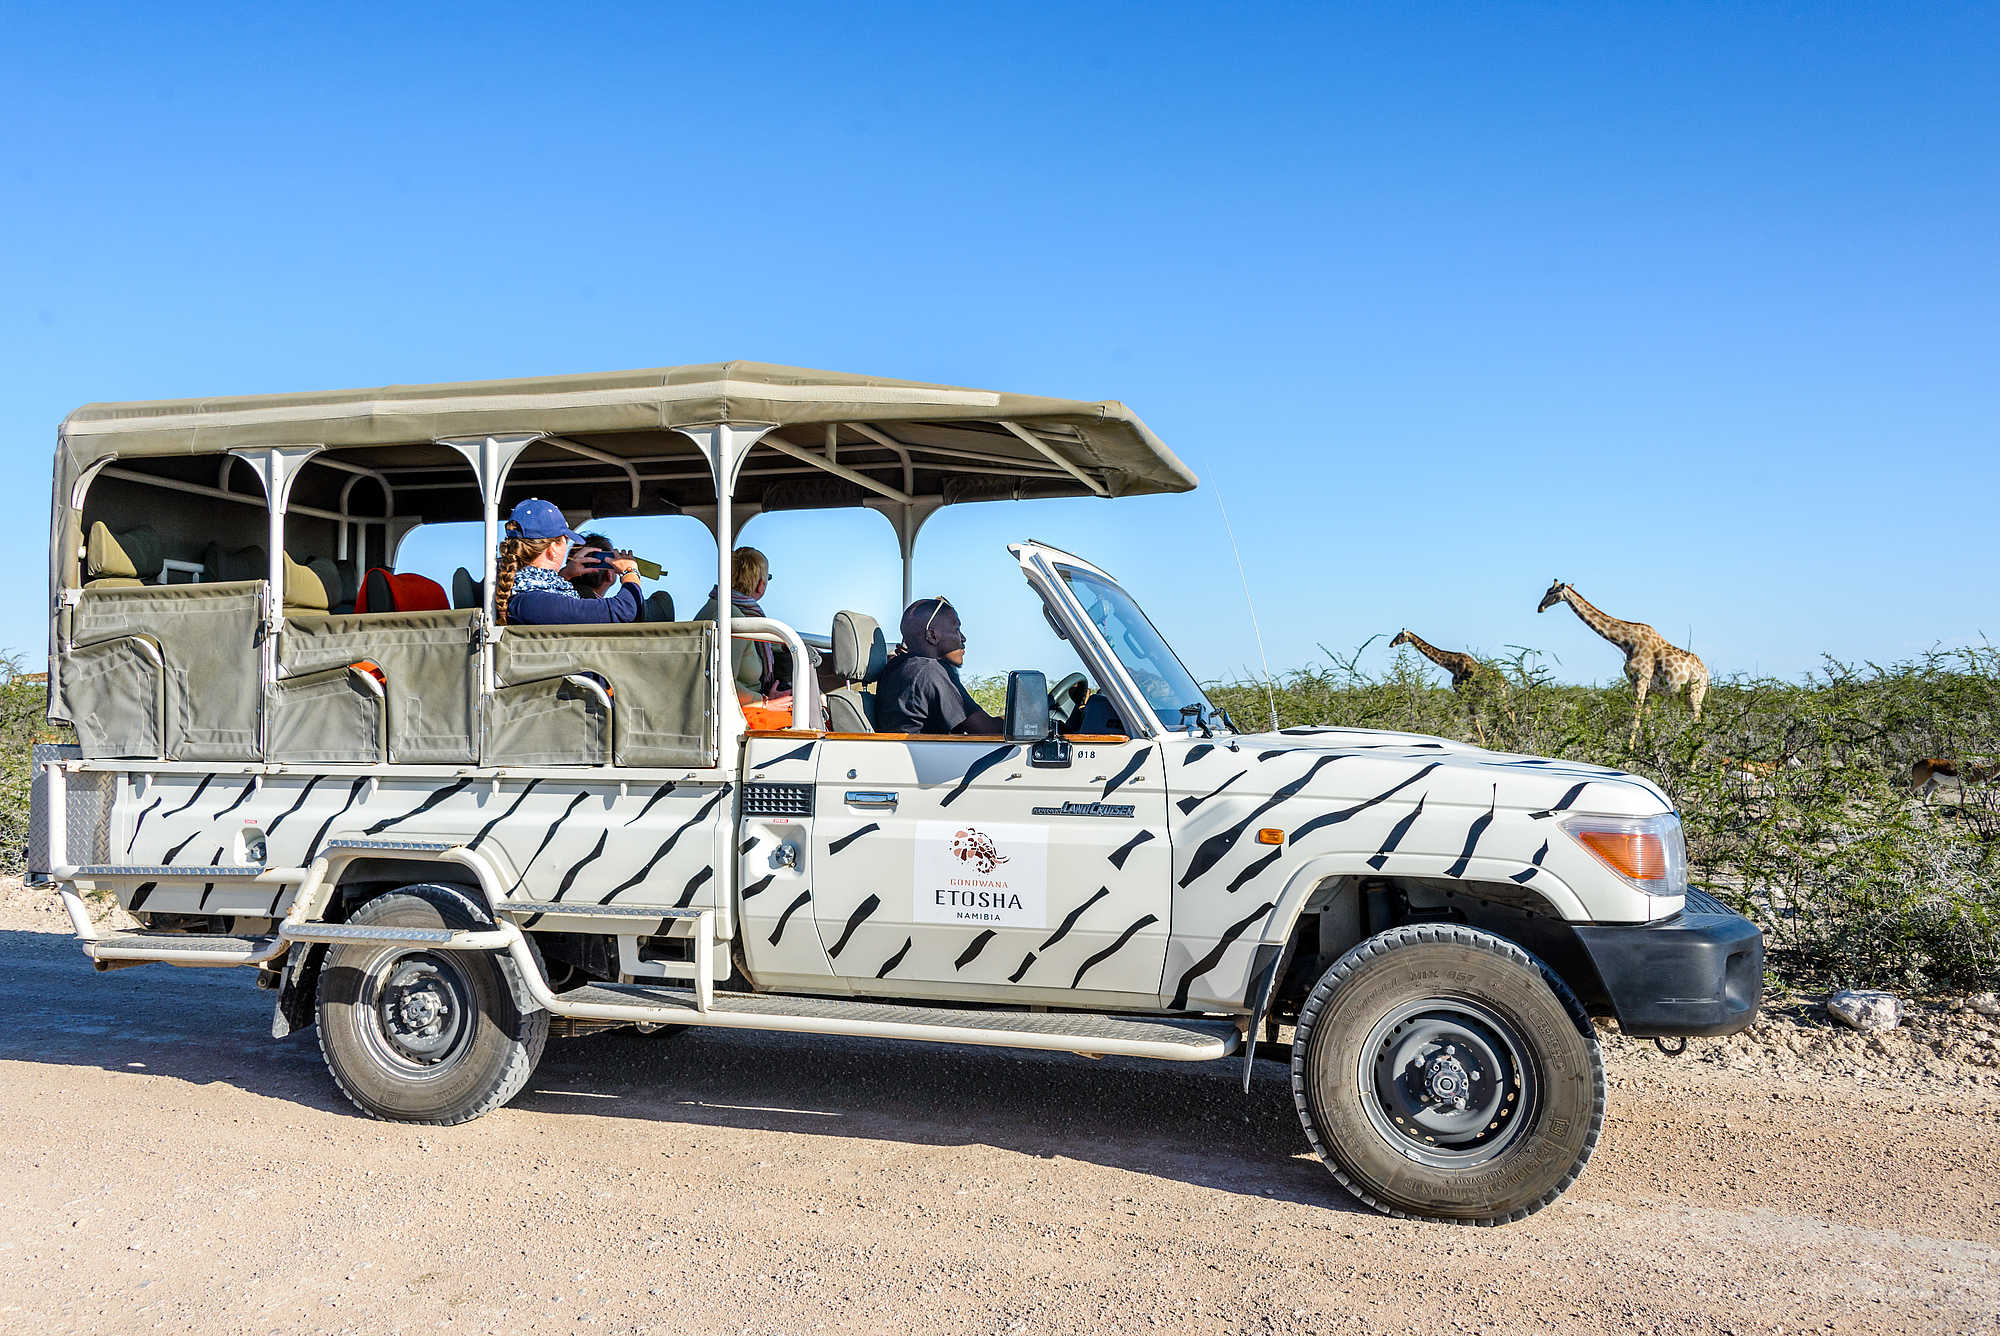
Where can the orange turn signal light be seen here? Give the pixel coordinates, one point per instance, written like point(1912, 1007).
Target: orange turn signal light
point(1640, 855)
point(1270, 835)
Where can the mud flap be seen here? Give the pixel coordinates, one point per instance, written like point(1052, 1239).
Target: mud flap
point(298, 986)
point(298, 990)
point(1266, 968)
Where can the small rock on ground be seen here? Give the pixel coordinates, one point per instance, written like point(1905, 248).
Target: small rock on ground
point(1865, 1009)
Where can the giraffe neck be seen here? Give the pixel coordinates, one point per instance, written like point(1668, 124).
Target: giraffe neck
point(1429, 651)
point(1621, 634)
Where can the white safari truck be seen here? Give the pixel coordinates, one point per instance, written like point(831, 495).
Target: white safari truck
point(440, 840)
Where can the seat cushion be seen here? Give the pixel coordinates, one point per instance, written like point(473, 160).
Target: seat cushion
point(328, 571)
point(239, 563)
point(305, 592)
point(850, 710)
point(383, 590)
point(859, 650)
point(133, 554)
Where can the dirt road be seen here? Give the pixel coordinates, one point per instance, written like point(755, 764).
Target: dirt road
point(169, 1168)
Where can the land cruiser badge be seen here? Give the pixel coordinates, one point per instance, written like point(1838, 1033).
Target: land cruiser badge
point(992, 876)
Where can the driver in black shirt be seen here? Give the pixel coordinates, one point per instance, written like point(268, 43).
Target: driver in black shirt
point(919, 690)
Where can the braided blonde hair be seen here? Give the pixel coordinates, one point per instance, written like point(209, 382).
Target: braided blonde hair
point(514, 554)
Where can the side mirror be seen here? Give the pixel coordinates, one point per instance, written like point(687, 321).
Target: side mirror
point(1027, 706)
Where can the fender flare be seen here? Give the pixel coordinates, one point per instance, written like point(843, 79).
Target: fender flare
point(299, 978)
point(1308, 876)
point(1273, 950)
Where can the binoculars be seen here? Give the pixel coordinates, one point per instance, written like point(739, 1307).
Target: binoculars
point(651, 570)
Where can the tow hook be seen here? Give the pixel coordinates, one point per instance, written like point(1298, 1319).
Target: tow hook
point(1659, 1042)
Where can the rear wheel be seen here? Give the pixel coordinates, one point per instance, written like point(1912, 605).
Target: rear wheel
point(1445, 1072)
point(424, 1036)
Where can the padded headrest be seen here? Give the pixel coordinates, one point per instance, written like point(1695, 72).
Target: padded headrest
point(242, 563)
point(383, 590)
point(304, 590)
point(328, 571)
point(132, 555)
point(859, 650)
point(465, 590)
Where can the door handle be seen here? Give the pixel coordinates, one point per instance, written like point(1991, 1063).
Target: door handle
point(870, 798)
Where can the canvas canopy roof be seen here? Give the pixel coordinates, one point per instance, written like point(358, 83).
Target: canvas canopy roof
point(610, 447)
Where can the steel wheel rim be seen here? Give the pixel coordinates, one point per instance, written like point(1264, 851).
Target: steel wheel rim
point(416, 1014)
point(1447, 1082)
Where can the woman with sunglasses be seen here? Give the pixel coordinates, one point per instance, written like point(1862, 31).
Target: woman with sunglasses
point(919, 690)
point(762, 674)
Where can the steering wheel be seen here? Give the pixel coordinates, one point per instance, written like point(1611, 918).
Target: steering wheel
point(1063, 703)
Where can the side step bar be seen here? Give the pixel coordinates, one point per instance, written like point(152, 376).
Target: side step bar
point(1169, 1038)
point(180, 948)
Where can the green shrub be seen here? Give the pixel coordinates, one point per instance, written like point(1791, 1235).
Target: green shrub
point(23, 722)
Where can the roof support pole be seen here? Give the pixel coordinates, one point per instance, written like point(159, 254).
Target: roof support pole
point(907, 520)
point(889, 443)
point(1044, 448)
point(277, 468)
point(838, 470)
point(603, 457)
point(725, 447)
point(490, 457)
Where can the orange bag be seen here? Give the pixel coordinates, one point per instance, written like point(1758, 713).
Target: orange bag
point(763, 716)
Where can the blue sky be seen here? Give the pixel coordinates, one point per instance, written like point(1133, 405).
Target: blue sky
point(1693, 306)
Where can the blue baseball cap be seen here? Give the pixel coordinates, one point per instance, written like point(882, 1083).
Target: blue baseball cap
point(536, 518)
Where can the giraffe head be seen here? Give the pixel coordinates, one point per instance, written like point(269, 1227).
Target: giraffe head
point(1556, 591)
point(1403, 637)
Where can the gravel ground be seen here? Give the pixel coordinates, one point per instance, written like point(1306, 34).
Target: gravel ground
point(168, 1167)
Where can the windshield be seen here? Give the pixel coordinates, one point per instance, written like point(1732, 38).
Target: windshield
point(1165, 684)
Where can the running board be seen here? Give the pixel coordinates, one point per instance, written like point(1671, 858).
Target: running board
point(1171, 1038)
point(180, 948)
point(364, 934)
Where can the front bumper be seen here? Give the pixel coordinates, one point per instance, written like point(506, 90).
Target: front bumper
point(1700, 973)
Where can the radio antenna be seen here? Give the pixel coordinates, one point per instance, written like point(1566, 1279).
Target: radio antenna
point(1270, 693)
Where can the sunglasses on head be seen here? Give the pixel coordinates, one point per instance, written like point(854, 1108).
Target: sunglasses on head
point(942, 603)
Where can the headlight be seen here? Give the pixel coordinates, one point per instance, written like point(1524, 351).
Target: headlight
point(1649, 852)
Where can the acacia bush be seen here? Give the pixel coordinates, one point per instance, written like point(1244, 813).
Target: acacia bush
point(1796, 796)
point(23, 722)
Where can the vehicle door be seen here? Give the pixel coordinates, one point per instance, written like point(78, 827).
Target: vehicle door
point(953, 867)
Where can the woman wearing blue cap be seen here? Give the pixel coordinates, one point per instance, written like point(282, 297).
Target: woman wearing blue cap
point(527, 589)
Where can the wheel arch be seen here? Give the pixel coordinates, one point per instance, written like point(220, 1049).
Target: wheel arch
point(1332, 903)
point(350, 882)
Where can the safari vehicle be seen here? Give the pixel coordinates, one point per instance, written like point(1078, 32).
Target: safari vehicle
point(440, 840)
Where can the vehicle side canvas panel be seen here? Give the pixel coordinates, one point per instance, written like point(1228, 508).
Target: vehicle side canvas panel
point(207, 640)
point(553, 840)
point(660, 686)
point(430, 671)
point(1362, 802)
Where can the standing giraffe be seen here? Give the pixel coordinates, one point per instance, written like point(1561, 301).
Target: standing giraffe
point(1649, 659)
point(1462, 667)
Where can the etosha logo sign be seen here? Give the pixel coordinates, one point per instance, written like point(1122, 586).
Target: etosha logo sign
point(993, 876)
point(978, 849)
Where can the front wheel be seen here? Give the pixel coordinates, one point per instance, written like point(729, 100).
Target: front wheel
point(1441, 1071)
point(422, 1036)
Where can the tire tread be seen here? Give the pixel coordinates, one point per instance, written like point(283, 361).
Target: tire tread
point(1439, 934)
point(522, 1056)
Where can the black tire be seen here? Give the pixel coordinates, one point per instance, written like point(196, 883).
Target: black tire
point(420, 1036)
point(1446, 1073)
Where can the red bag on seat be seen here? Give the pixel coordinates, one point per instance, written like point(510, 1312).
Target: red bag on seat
point(382, 590)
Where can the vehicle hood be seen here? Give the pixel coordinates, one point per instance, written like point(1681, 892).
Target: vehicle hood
point(1514, 781)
